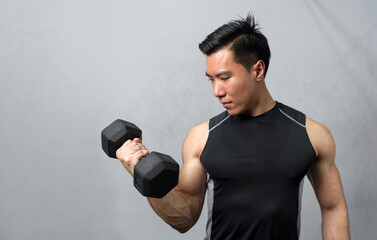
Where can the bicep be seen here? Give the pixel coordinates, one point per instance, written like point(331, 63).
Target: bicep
point(324, 175)
point(192, 176)
point(192, 179)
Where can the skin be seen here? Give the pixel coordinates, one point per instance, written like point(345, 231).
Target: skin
point(242, 92)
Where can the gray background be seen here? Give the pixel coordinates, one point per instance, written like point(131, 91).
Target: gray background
point(69, 68)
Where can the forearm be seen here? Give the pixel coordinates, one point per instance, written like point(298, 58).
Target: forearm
point(335, 224)
point(174, 208)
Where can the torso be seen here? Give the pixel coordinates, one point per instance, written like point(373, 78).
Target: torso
point(255, 168)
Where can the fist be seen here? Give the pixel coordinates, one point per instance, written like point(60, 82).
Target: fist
point(130, 154)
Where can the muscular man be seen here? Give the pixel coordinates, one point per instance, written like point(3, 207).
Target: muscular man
point(253, 157)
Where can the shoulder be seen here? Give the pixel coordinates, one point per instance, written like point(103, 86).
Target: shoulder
point(292, 113)
point(196, 139)
point(218, 119)
point(320, 137)
point(199, 131)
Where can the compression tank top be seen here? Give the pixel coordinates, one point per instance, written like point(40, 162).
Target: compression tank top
point(255, 172)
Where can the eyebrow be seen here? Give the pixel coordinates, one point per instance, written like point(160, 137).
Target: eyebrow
point(220, 73)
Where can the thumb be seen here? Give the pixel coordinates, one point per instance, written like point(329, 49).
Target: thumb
point(138, 140)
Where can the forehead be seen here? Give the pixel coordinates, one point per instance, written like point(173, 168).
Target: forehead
point(223, 56)
point(220, 61)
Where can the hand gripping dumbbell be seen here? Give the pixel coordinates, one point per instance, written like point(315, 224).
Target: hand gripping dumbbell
point(156, 174)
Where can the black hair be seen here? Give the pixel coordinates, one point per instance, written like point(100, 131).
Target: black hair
point(245, 40)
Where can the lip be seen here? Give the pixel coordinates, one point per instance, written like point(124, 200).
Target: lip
point(226, 104)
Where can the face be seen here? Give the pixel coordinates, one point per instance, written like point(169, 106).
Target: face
point(232, 84)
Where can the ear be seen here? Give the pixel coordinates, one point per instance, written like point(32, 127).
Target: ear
point(258, 70)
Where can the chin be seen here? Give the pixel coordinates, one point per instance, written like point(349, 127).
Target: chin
point(233, 112)
point(236, 111)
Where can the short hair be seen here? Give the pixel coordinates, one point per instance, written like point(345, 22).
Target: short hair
point(245, 40)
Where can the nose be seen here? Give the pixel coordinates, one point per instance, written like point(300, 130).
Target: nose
point(218, 89)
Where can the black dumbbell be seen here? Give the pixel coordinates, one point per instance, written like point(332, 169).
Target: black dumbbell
point(156, 174)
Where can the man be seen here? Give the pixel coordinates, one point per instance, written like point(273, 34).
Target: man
point(253, 157)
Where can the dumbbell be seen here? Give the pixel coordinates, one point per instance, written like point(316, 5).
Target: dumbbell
point(155, 174)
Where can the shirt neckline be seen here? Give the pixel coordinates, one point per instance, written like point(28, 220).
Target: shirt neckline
point(266, 114)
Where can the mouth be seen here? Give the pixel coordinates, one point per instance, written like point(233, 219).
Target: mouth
point(226, 104)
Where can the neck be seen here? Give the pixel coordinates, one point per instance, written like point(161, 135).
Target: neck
point(262, 103)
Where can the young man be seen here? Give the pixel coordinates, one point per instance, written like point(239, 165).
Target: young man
point(253, 157)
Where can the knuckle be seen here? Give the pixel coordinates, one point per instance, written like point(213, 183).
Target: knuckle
point(118, 153)
point(133, 145)
point(137, 155)
point(142, 152)
point(128, 160)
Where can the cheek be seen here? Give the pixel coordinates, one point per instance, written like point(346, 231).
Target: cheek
point(241, 92)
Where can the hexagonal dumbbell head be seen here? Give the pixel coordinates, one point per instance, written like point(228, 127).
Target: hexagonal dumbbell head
point(117, 133)
point(156, 174)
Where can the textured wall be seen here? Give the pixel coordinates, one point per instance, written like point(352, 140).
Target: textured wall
point(69, 68)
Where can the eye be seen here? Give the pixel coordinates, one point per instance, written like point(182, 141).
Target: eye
point(210, 79)
point(224, 78)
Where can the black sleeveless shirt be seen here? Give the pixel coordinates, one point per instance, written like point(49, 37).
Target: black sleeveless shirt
point(256, 167)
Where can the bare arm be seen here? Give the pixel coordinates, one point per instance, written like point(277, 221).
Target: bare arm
point(182, 206)
point(325, 179)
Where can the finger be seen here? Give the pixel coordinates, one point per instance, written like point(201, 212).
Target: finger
point(134, 159)
point(128, 142)
point(126, 150)
point(137, 141)
point(140, 154)
point(134, 147)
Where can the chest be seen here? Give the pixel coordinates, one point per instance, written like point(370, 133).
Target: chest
point(258, 151)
